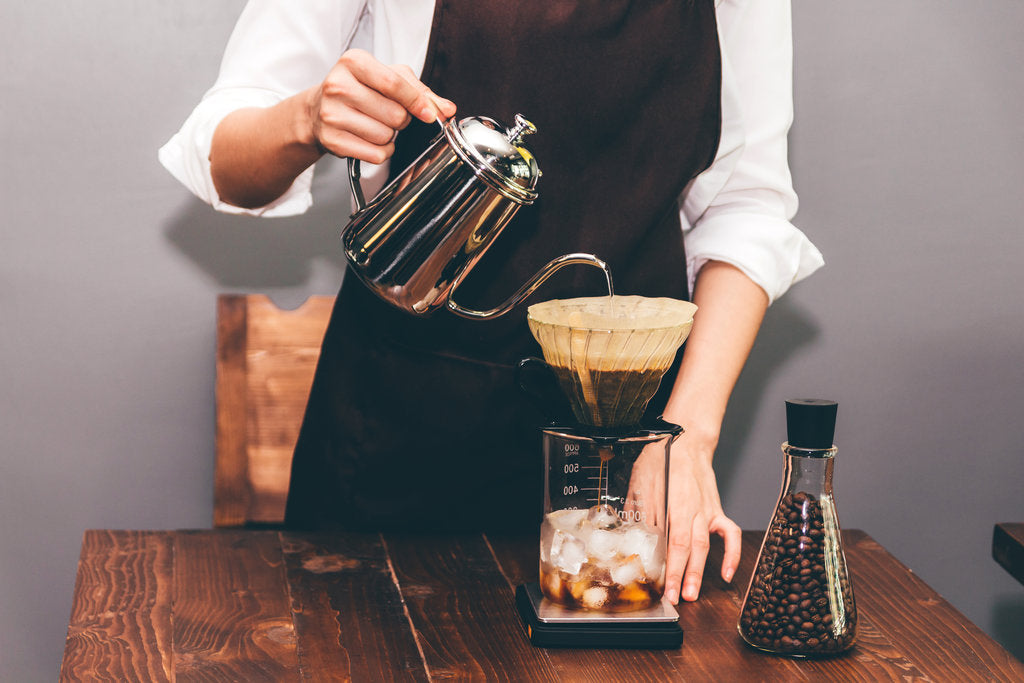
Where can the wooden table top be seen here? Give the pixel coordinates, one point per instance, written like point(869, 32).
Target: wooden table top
point(265, 605)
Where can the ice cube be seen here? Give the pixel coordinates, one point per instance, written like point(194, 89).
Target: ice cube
point(604, 517)
point(595, 597)
point(602, 545)
point(552, 586)
point(568, 553)
point(630, 570)
point(567, 520)
point(638, 541)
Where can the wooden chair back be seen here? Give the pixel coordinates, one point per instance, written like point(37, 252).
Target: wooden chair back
point(266, 358)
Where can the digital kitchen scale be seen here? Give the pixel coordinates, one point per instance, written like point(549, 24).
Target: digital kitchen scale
point(550, 625)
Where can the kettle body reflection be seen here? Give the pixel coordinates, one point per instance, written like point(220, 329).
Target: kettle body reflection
point(421, 235)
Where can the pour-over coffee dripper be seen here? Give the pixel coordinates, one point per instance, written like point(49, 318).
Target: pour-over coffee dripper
point(610, 353)
point(604, 535)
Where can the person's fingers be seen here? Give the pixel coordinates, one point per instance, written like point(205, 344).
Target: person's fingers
point(676, 557)
point(699, 547)
point(732, 535)
point(444, 109)
point(362, 104)
point(344, 144)
point(397, 84)
point(361, 83)
point(336, 118)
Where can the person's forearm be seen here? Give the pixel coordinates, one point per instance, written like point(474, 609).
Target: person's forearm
point(731, 308)
point(257, 153)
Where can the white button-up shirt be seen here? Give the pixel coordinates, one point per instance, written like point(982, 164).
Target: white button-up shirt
point(737, 211)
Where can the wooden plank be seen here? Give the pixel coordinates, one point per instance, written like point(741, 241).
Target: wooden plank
point(463, 610)
point(230, 476)
point(518, 559)
point(120, 625)
point(928, 631)
point(349, 617)
point(266, 359)
point(1008, 548)
point(232, 617)
point(282, 350)
point(232, 605)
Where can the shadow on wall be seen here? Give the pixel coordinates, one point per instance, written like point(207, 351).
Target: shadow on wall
point(786, 331)
point(257, 254)
point(1008, 624)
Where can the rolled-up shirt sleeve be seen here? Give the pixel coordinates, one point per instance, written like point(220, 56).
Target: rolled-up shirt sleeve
point(276, 50)
point(739, 209)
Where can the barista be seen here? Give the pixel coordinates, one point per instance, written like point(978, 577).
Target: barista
point(663, 151)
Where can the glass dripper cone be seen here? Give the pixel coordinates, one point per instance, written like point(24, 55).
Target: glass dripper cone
point(610, 353)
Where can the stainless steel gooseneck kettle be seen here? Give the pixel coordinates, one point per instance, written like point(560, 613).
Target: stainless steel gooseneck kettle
point(420, 236)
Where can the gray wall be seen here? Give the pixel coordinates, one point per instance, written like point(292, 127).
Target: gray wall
point(907, 154)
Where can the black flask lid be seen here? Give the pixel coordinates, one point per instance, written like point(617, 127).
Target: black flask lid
point(811, 422)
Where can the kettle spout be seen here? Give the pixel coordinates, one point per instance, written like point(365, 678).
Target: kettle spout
point(532, 284)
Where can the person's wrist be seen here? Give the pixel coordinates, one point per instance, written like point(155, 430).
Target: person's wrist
point(303, 117)
point(700, 433)
point(695, 418)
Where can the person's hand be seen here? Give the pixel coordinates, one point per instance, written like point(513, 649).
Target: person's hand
point(694, 513)
point(362, 104)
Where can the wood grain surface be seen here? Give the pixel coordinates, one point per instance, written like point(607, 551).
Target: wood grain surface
point(348, 611)
point(243, 605)
point(120, 627)
point(231, 615)
point(266, 358)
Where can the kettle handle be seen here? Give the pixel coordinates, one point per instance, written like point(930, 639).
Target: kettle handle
point(357, 188)
point(354, 174)
point(531, 285)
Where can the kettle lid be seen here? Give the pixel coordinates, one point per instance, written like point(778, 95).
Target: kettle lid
point(497, 154)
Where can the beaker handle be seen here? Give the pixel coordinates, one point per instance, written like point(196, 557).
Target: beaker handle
point(531, 285)
point(537, 380)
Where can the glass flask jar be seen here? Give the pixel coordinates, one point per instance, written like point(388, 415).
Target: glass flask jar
point(800, 600)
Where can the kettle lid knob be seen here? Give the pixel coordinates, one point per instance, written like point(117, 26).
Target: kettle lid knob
point(497, 154)
point(516, 133)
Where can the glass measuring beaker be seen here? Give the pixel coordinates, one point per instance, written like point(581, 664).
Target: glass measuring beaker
point(604, 532)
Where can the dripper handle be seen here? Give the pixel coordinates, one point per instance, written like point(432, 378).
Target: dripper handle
point(537, 380)
point(530, 286)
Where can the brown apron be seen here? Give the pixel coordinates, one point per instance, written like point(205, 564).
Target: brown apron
point(418, 424)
